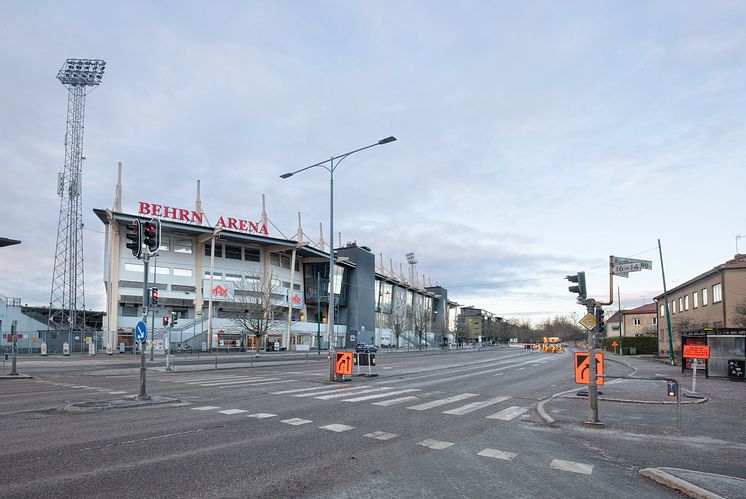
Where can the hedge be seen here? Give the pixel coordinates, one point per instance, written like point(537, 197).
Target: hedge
point(647, 345)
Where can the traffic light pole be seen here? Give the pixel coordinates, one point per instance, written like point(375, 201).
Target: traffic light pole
point(143, 394)
point(593, 308)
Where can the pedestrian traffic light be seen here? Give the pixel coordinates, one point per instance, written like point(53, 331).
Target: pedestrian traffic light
point(578, 278)
point(174, 318)
point(154, 296)
point(134, 238)
point(165, 320)
point(151, 234)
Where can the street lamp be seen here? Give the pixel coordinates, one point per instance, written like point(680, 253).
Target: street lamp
point(330, 168)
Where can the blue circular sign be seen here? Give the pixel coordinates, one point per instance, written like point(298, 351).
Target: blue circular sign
point(141, 332)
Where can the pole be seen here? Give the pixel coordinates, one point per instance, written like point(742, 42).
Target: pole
point(13, 325)
point(152, 333)
point(592, 386)
point(668, 315)
point(143, 371)
point(318, 315)
point(286, 338)
point(209, 301)
point(619, 299)
point(330, 314)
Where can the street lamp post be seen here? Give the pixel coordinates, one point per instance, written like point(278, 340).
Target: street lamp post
point(334, 162)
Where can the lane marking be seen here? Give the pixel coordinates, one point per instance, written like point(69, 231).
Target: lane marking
point(336, 390)
point(261, 415)
point(296, 421)
point(497, 454)
point(386, 403)
point(232, 411)
point(435, 444)
point(337, 427)
point(572, 466)
point(205, 408)
point(360, 392)
point(116, 393)
point(273, 382)
point(474, 406)
point(439, 402)
point(381, 435)
point(234, 382)
point(298, 390)
point(509, 413)
point(380, 395)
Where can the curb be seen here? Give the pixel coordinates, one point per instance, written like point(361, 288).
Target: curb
point(678, 484)
point(15, 376)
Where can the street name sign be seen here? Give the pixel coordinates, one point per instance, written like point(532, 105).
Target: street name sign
point(141, 332)
point(623, 266)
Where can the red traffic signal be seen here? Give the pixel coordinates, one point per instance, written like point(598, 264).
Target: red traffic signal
point(165, 320)
point(134, 238)
point(154, 296)
point(151, 235)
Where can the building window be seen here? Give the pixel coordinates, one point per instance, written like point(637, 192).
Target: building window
point(232, 277)
point(182, 272)
point(165, 243)
point(716, 296)
point(233, 252)
point(636, 321)
point(251, 254)
point(695, 299)
point(681, 306)
point(133, 267)
point(215, 276)
point(655, 321)
point(182, 245)
point(663, 310)
point(162, 270)
point(686, 302)
point(218, 249)
point(704, 296)
point(673, 307)
point(130, 310)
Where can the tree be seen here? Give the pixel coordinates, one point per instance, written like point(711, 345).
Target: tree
point(739, 316)
point(420, 320)
point(397, 321)
point(256, 307)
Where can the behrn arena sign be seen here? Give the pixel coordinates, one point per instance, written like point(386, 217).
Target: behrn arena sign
point(194, 217)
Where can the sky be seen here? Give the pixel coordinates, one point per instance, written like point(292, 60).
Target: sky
point(535, 138)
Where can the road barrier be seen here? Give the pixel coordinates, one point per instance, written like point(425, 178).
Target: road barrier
point(365, 359)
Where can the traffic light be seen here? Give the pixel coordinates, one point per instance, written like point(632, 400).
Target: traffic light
point(174, 318)
point(578, 278)
point(600, 321)
point(165, 320)
point(134, 238)
point(154, 296)
point(151, 235)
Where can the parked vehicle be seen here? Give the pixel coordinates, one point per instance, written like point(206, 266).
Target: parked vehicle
point(369, 348)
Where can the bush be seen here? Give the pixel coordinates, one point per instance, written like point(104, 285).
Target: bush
point(646, 345)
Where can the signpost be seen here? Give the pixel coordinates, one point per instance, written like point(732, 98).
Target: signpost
point(695, 352)
point(583, 368)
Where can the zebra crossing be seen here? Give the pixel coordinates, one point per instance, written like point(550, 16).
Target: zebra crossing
point(453, 405)
point(225, 380)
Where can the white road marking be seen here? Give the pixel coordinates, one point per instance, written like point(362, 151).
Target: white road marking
point(116, 393)
point(232, 411)
point(298, 390)
point(474, 406)
point(337, 427)
point(202, 379)
point(560, 464)
point(497, 454)
point(205, 408)
point(439, 402)
point(359, 392)
point(435, 444)
point(296, 421)
point(234, 382)
point(381, 435)
point(337, 390)
point(509, 413)
point(261, 415)
point(79, 386)
point(380, 395)
point(498, 374)
point(394, 401)
point(274, 382)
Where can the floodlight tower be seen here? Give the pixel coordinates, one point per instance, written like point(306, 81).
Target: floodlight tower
point(67, 300)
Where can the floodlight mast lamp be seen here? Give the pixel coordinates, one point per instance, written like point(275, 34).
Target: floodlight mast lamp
point(333, 162)
point(67, 298)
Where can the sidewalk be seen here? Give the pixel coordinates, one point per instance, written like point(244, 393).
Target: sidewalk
point(639, 422)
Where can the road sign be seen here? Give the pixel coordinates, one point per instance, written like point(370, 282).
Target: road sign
point(589, 321)
point(614, 344)
point(696, 352)
point(622, 266)
point(343, 363)
point(582, 368)
point(141, 332)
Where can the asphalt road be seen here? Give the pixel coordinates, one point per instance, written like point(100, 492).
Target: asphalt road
point(462, 424)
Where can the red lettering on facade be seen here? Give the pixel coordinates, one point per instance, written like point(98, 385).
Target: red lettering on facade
point(184, 215)
point(219, 291)
point(144, 208)
point(169, 212)
point(220, 222)
point(197, 217)
point(157, 210)
point(242, 225)
point(232, 223)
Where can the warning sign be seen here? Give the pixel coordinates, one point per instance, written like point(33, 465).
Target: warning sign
point(343, 363)
point(696, 352)
point(582, 368)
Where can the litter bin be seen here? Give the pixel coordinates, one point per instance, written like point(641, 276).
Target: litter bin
point(736, 369)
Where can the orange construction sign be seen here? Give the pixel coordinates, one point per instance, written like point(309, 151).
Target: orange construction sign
point(582, 368)
point(343, 363)
point(696, 351)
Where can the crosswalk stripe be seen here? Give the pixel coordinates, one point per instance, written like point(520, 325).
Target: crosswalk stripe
point(232, 411)
point(296, 421)
point(235, 382)
point(360, 392)
point(116, 393)
point(497, 454)
point(509, 413)
point(274, 382)
point(386, 403)
point(380, 395)
point(261, 415)
point(474, 406)
point(439, 402)
point(204, 379)
point(561, 464)
point(205, 408)
point(337, 427)
point(435, 444)
point(381, 435)
point(337, 390)
point(298, 390)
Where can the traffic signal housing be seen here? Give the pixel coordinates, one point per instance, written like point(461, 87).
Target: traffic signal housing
point(174, 318)
point(154, 296)
point(134, 238)
point(600, 321)
point(151, 235)
point(578, 278)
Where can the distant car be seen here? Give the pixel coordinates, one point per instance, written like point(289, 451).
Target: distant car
point(363, 348)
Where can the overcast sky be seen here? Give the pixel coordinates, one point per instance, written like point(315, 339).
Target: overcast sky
point(535, 139)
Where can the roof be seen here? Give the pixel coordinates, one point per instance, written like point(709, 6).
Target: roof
point(737, 262)
point(648, 308)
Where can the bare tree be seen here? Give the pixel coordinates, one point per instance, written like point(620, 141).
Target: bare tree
point(257, 307)
point(420, 320)
point(397, 321)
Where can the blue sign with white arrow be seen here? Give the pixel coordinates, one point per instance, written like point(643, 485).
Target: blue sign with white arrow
point(141, 332)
